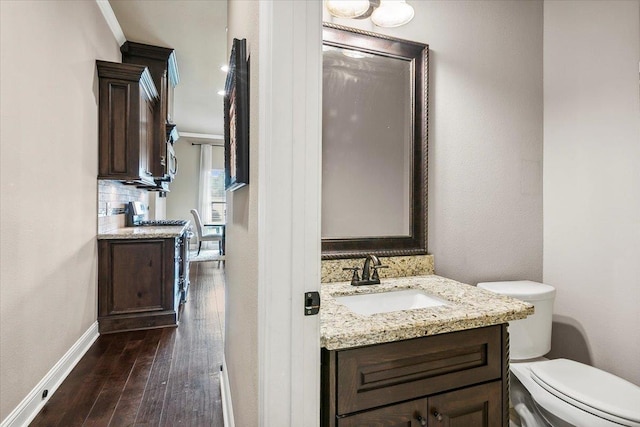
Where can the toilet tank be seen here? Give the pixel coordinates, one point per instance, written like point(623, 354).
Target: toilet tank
point(530, 337)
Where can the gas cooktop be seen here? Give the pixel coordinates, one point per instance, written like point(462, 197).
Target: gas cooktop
point(166, 222)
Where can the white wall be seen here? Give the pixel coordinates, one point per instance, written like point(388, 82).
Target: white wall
point(485, 135)
point(592, 180)
point(241, 267)
point(48, 197)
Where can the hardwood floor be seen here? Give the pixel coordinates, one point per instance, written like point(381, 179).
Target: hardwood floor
point(159, 377)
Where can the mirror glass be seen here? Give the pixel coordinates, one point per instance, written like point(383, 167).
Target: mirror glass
point(366, 148)
point(374, 144)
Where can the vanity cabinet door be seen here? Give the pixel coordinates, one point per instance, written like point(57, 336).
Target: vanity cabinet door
point(406, 414)
point(477, 406)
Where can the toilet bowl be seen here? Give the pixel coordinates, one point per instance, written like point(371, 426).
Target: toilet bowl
point(564, 392)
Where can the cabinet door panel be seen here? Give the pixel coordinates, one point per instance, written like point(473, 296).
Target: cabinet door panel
point(478, 406)
point(117, 156)
point(400, 415)
point(137, 284)
point(137, 277)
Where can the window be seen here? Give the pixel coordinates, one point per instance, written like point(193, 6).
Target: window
point(218, 197)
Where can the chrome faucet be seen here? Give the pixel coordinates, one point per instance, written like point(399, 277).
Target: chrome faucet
point(371, 262)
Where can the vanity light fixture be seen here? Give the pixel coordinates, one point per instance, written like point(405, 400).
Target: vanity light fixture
point(383, 13)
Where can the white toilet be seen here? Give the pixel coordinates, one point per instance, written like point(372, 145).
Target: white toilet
point(559, 392)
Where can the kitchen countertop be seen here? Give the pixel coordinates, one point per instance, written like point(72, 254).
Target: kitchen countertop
point(469, 307)
point(145, 232)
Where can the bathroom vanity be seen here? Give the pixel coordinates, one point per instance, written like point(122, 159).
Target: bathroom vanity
point(446, 363)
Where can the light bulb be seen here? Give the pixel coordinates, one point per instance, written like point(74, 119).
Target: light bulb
point(392, 13)
point(347, 8)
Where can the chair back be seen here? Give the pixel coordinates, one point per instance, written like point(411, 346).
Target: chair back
point(199, 226)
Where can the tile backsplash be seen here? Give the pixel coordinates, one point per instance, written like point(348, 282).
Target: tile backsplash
point(398, 266)
point(113, 197)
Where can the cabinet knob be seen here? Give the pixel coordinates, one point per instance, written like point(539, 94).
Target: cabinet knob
point(438, 415)
point(421, 419)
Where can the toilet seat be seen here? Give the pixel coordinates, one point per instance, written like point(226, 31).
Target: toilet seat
point(590, 389)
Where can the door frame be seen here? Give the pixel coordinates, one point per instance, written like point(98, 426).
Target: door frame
point(290, 154)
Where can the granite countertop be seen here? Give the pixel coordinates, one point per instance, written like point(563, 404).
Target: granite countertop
point(469, 307)
point(145, 232)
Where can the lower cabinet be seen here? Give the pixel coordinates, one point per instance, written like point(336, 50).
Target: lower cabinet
point(402, 414)
point(453, 379)
point(139, 283)
point(480, 405)
point(472, 406)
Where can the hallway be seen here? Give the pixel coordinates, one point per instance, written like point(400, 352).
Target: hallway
point(159, 377)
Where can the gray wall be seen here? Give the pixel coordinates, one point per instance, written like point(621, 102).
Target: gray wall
point(241, 267)
point(48, 191)
point(592, 181)
point(485, 135)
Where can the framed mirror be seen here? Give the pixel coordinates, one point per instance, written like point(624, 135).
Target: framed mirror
point(374, 144)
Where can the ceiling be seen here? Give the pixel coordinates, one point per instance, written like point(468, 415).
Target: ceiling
point(197, 31)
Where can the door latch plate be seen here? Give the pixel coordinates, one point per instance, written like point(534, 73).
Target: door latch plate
point(311, 303)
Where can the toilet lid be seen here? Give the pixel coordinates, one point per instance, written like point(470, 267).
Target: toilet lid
point(521, 289)
point(589, 388)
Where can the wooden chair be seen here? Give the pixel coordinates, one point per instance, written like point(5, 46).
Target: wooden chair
point(205, 235)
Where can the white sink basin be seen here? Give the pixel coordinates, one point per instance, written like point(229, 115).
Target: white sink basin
point(385, 302)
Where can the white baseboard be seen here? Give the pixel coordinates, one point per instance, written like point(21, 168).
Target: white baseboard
point(225, 391)
point(31, 405)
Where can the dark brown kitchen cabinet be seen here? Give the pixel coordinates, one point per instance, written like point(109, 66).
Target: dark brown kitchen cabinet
point(127, 103)
point(454, 379)
point(139, 283)
point(163, 68)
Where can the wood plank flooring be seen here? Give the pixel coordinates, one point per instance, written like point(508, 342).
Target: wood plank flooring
point(159, 377)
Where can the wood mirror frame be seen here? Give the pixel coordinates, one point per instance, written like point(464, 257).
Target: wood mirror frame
point(418, 54)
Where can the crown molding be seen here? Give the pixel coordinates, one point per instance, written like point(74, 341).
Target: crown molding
point(112, 21)
point(203, 138)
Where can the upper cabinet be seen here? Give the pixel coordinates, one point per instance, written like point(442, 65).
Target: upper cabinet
point(163, 68)
point(127, 107)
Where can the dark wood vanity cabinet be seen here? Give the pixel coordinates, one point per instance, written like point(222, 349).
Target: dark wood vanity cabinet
point(139, 284)
point(453, 379)
point(163, 68)
point(127, 104)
